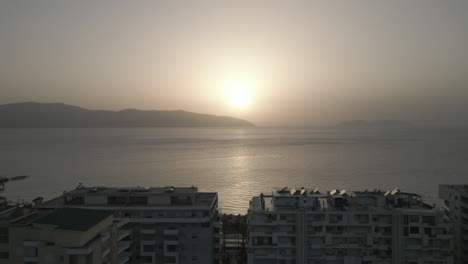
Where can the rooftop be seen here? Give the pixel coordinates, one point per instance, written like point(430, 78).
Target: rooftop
point(162, 197)
point(73, 219)
point(336, 199)
point(101, 190)
point(459, 187)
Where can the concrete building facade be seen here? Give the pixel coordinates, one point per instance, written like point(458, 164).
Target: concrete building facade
point(64, 236)
point(456, 210)
point(300, 226)
point(168, 225)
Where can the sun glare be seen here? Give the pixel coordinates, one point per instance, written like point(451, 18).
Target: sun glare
point(239, 94)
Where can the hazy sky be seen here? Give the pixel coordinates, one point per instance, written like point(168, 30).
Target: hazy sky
point(297, 62)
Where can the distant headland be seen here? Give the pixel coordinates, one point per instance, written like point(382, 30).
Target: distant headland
point(58, 115)
point(375, 124)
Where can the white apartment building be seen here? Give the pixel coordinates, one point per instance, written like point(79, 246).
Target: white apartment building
point(301, 226)
point(456, 209)
point(64, 236)
point(168, 225)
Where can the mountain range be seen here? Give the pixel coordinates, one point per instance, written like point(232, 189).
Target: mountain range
point(58, 115)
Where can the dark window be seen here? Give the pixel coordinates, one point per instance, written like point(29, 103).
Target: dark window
point(74, 199)
point(4, 235)
point(171, 248)
point(414, 230)
point(117, 200)
point(139, 200)
point(148, 248)
point(428, 220)
point(181, 200)
point(388, 230)
point(427, 231)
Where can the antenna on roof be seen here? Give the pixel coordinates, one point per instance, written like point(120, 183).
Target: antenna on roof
point(6, 179)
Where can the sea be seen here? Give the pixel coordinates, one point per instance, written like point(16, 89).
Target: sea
point(237, 163)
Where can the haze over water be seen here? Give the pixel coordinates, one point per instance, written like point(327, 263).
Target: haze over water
point(236, 163)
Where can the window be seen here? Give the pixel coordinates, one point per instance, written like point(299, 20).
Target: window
point(414, 230)
point(118, 200)
point(139, 200)
point(414, 219)
point(335, 218)
point(30, 252)
point(171, 248)
point(388, 230)
point(181, 200)
point(74, 199)
point(4, 255)
point(148, 248)
point(4, 235)
point(428, 220)
point(427, 231)
point(317, 229)
point(318, 218)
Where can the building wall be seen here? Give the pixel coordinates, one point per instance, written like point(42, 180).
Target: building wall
point(456, 210)
point(197, 240)
point(44, 244)
point(374, 235)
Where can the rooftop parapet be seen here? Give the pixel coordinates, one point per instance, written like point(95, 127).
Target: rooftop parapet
point(100, 196)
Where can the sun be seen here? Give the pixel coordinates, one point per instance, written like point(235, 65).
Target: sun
point(239, 94)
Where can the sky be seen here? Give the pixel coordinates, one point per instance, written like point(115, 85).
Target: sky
point(274, 63)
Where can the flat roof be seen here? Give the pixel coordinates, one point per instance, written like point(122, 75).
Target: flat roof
point(200, 199)
point(287, 198)
point(101, 190)
point(73, 219)
point(459, 187)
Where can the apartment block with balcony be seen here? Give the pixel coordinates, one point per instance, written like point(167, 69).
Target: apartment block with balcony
point(456, 210)
point(301, 226)
point(64, 236)
point(168, 225)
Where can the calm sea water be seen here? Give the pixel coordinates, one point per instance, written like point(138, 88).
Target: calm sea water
point(236, 163)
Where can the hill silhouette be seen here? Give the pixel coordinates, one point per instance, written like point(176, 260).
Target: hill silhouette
point(48, 115)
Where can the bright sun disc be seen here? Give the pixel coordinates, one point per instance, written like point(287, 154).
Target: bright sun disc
point(239, 95)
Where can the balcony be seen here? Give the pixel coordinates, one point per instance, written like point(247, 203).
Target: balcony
point(124, 257)
point(122, 222)
point(105, 253)
point(122, 246)
point(123, 234)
